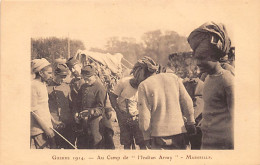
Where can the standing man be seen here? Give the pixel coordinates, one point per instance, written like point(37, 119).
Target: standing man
point(42, 135)
point(76, 83)
point(60, 107)
point(124, 101)
point(91, 106)
point(210, 43)
point(162, 104)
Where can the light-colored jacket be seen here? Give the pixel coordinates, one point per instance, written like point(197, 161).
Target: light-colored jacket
point(39, 105)
point(162, 103)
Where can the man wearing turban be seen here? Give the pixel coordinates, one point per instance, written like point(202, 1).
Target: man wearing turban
point(210, 43)
point(162, 103)
point(42, 135)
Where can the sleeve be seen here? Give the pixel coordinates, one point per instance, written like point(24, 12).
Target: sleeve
point(100, 102)
point(34, 101)
point(77, 102)
point(229, 90)
point(144, 113)
point(186, 104)
point(70, 100)
point(198, 102)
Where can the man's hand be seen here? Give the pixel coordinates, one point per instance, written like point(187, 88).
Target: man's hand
point(49, 133)
point(191, 129)
point(60, 125)
point(77, 118)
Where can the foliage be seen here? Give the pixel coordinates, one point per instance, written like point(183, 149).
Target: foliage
point(52, 48)
point(156, 45)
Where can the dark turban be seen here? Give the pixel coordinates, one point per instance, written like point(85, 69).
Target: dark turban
point(146, 63)
point(145, 66)
point(217, 35)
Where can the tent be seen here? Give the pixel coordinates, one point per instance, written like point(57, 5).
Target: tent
point(113, 62)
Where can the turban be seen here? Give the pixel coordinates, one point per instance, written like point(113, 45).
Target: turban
point(216, 33)
point(145, 63)
point(38, 64)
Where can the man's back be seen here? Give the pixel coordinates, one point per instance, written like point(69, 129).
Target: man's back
point(162, 98)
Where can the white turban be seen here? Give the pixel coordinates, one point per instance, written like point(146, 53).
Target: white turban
point(38, 64)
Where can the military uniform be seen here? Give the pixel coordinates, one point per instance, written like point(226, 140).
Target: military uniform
point(60, 106)
point(61, 110)
point(92, 97)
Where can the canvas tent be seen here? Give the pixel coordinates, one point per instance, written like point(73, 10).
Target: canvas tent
point(113, 62)
point(108, 66)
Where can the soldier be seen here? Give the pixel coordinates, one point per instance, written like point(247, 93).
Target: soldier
point(162, 103)
point(91, 106)
point(124, 101)
point(60, 107)
point(42, 135)
point(210, 43)
point(75, 84)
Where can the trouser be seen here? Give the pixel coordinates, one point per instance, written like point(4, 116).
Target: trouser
point(41, 141)
point(67, 133)
point(108, 138)
point(176, 142)
point(92, 136)
point(108, 133)
point(195, 140)
point(130, 134)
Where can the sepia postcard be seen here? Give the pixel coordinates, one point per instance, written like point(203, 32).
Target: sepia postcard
point(113, 35)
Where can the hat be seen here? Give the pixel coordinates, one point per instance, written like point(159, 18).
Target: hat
point(88, 70)
point(61, 69)
point(38, 64)
point(71, 62)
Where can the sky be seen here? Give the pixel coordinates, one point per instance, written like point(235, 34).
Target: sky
point(94, 22)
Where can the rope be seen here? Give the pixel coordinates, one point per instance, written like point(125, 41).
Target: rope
point(124, 66)
point(56, 132)
point(128, 61)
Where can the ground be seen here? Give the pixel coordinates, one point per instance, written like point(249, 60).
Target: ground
point(117, 136)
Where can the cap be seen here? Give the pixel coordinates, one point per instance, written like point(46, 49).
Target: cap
point(71, 62)
point(88, 70)
point(61, 69)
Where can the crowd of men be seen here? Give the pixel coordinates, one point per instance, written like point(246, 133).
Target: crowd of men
point(155, 109)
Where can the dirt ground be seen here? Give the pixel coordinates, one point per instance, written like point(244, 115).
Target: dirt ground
point(117, 136)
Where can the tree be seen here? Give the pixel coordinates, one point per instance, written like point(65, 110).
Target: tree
point(159, 46)
point(53, 47)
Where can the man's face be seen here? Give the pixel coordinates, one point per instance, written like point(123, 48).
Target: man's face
point(76, 70)
point(60, 78)
point(205, 62)
point(89, 80)
point(46, 74)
